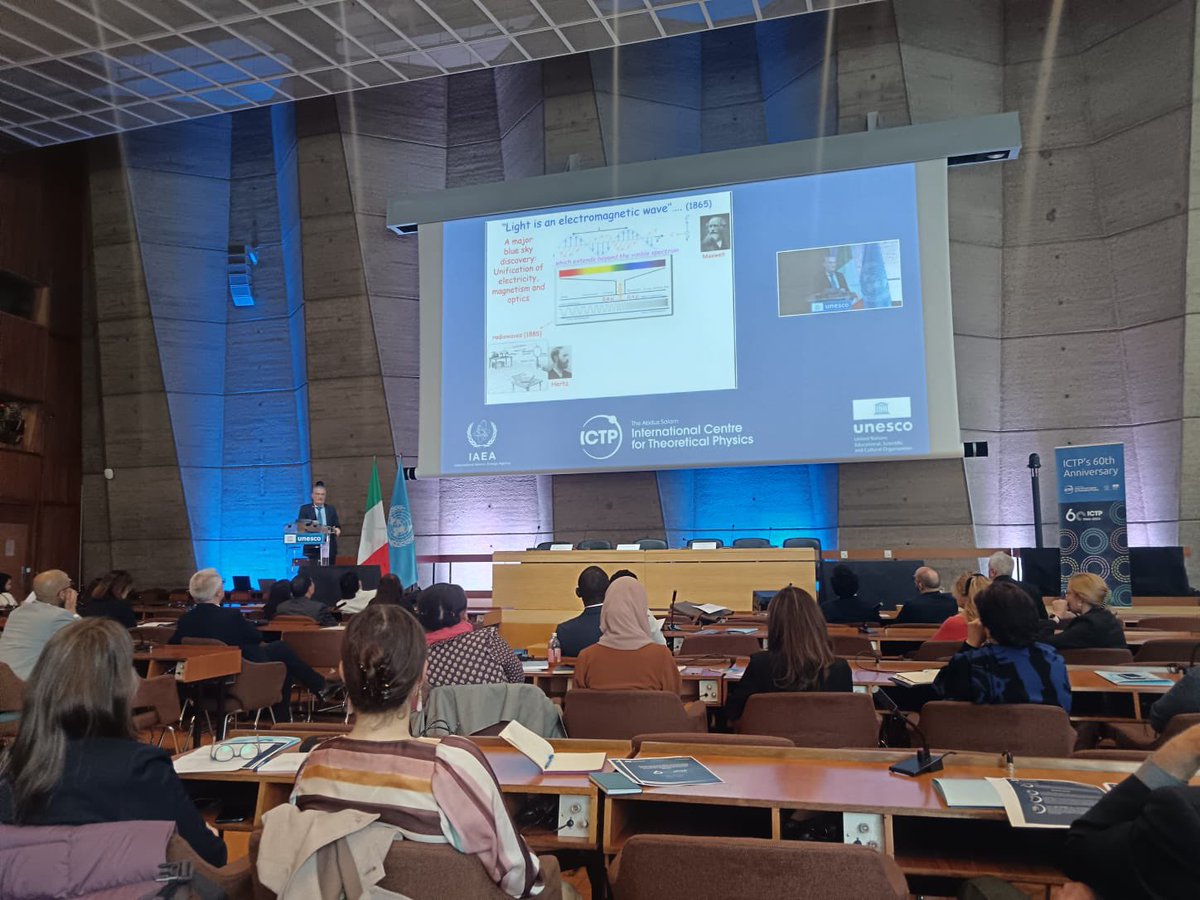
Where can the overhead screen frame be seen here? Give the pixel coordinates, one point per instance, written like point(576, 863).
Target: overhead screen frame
point(932, 148)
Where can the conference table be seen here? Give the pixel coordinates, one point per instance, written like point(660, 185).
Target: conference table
point(760, 788)
point(536, 588)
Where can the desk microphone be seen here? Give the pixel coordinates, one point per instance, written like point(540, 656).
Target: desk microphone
point(924, 761)
point(1176, 667)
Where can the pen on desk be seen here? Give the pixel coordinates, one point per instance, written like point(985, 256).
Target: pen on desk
point(1008, 763)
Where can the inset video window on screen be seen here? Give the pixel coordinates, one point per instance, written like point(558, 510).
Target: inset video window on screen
point(573, 296)
point(764, 322)
point(845, 278)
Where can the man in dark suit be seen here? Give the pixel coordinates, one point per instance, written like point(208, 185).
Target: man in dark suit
point(208, 619)
point(847, 606)
point(829, 278)
point(579, 633)
point(326, 514)
point(1140, 838)
point(931, 606)
point(303, 604)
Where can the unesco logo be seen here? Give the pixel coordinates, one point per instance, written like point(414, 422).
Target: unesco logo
point(601, 437)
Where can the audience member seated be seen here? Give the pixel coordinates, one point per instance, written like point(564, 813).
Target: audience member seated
point(458, 653)
point(1000, 569)
point(584, 630)
point(1183, 698)
point(392, 593)
point(626, 658)
point(434, 791)
point(7, 598)
point(966, 589)
point(208, 619)
point(31, 625)
point(76, 760)
point(303, 604)
point(931, 605)
point(354, 598)
point(847, 606)
point(111, 596)
point(280, 592)
point(1093, 624)
point(1140, 838)
point(800, 658)
point(1001, 662)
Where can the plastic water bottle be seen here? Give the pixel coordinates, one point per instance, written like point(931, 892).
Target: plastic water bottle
point(554, 651)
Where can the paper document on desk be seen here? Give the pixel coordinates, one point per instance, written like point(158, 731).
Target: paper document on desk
point(284, 763)
point(666, 771)
point(972, 792)
point(538, 749)
point(912, 679)
point(200, 760)
point(1135, 677)
point(1044, 803)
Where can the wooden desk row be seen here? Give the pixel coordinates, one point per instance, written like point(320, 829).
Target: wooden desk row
point(711, 684)
point(761, 787)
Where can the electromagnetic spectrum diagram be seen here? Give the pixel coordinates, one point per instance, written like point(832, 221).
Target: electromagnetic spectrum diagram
point(638, 285)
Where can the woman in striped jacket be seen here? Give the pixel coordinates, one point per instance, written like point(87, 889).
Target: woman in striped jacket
point(435, 791)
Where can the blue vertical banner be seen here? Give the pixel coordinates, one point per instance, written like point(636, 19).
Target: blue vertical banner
point(402, 543)
point(1091, 514)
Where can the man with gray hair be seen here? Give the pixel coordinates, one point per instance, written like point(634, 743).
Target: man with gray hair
point(931, 606)
point(31, 625)
point(208, 619)
point(1000, 568)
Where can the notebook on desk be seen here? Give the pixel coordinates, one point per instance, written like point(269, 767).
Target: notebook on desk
point(914, 679)
point(1138, 677)
point(543, 755)
point(969, 792)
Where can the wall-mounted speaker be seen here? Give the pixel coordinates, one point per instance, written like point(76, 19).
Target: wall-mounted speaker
point(239, 267)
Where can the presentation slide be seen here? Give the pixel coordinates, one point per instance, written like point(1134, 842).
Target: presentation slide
point(568, 293)
point(757, 323)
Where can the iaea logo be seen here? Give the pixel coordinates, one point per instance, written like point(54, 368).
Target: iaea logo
point(482, 434)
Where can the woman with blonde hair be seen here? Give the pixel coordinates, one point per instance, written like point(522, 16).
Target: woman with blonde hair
point(1093, 625)
point(966, 589)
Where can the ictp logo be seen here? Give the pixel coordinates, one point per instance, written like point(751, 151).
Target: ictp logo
point(601, 437)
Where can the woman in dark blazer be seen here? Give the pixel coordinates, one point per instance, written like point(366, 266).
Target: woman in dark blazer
point(800, 658)
point(76, 760)
point(1093, 625)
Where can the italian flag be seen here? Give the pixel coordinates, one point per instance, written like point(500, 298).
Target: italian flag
point(373, 542)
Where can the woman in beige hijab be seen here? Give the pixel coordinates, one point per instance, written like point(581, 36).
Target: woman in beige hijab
point(626, 658)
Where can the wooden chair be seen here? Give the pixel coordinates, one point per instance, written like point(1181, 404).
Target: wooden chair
point(619, 715)
point(931, 651)
point(1097, 656)
point(853, 645)
point(1023, 729)
point(1169, 623)
point(321, 648)
point(675, 867)
point(741, 740)
point(257, 687)
point(1141, 736)
point(719, 645)
point(1168, 650)
point(156, 705)
point(12, 698)
point(813, 719)
point(422, 871)
point(152, 634)
point(292, 621)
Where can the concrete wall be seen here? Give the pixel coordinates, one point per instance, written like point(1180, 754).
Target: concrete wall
point(1068, 270)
